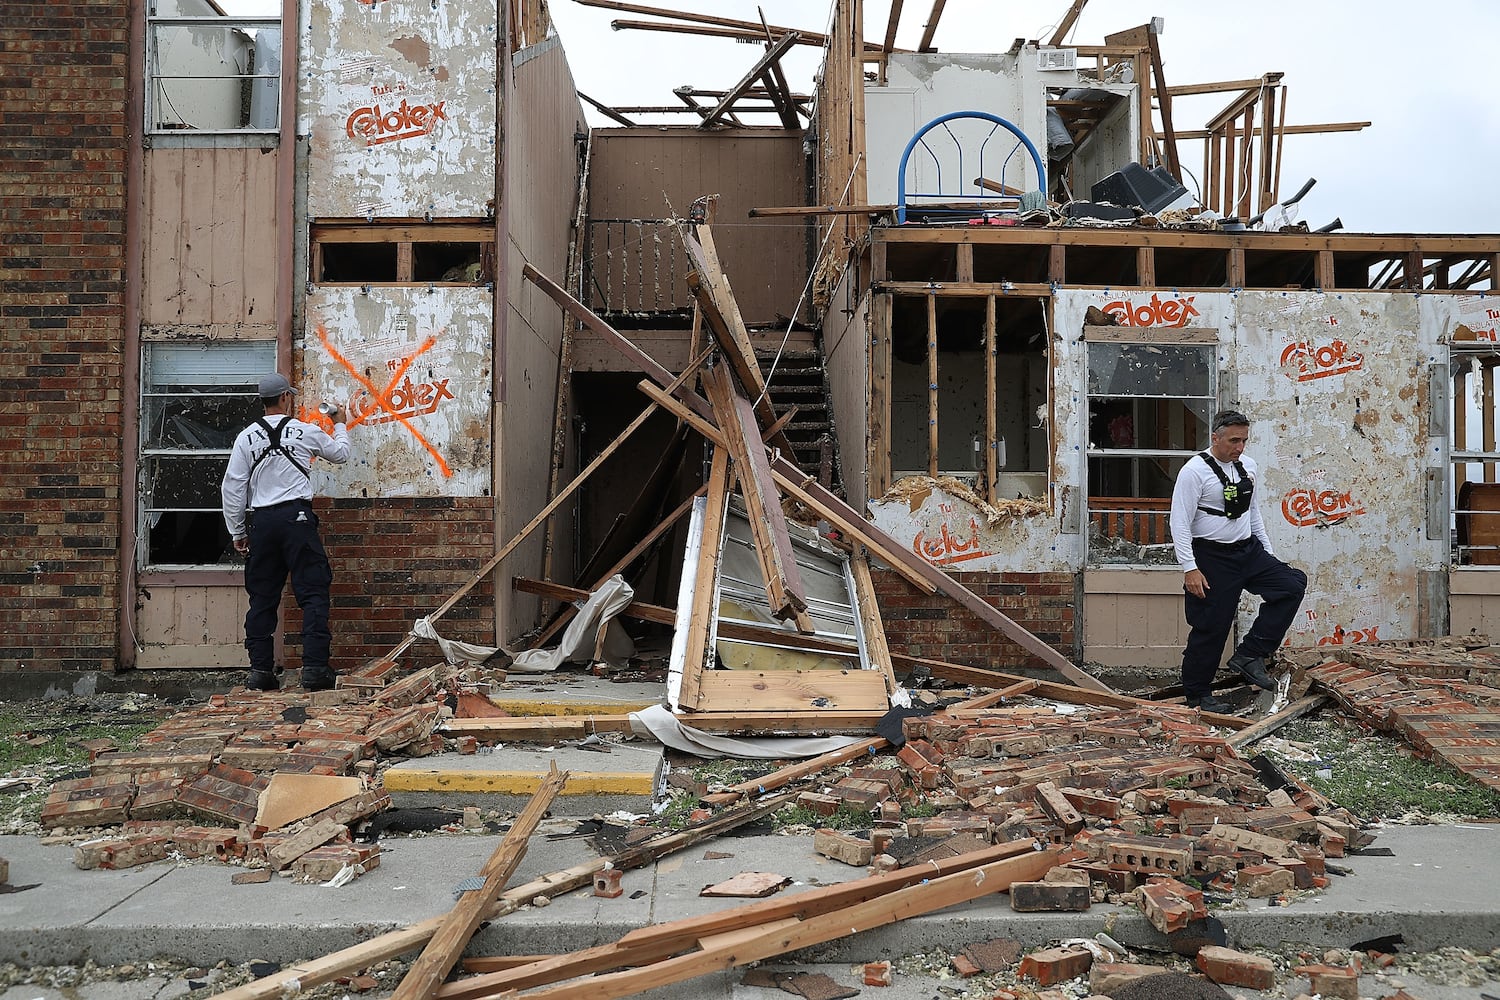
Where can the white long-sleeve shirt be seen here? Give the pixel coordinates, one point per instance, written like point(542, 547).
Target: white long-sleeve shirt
point(1197, 486)
point(275, 479)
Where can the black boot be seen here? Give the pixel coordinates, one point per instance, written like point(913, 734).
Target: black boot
point(260, 681)
point(1253, 669)
point(1208, 703)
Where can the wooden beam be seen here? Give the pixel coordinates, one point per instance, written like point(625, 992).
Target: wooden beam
point(1273, 722)
point(1066, 24)
point(657, 941)
point(877, 650)
point(796, 772)
point(458, 926)
point(773, 545)
point(705, 582)
point(1238, 106)
point(1220, 87)
point(791, 484)
point(1164, 99)
point(765, 938)
point(1286, 129)
point(748, 27)
point(604, 109)
point(712, 291)
point(772, 54)
point(930, 28)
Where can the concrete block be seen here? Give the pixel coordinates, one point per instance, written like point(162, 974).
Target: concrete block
point(1236, 968)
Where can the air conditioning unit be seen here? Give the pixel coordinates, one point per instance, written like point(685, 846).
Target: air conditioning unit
point(1056, 59)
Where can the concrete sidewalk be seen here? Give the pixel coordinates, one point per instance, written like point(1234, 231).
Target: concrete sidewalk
point(1441, 888)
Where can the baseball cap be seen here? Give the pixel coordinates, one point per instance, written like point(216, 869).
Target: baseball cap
point(273, 385)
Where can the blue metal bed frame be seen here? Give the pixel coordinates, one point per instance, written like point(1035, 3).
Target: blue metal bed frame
point(941, 122)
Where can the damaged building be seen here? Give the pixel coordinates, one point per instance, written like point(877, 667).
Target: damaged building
point(962, 308)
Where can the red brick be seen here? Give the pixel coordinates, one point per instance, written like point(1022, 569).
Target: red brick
point(1236, 968)
point(877, 974)
point(1055, 965)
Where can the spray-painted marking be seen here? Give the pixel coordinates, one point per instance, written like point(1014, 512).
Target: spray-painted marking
point(382, 397)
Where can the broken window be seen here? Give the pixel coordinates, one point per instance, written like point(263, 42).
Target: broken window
point(1151, 395)
point(379, 253)
point(969, 380)
point(195, 398)
point(1474, 451)
point(213, 66)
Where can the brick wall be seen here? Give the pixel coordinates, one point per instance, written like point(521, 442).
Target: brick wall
point(395, 561)
point(62, 202)
point(936, 627)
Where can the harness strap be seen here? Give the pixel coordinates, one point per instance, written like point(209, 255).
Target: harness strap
point(274, 433)
point(1223, 480)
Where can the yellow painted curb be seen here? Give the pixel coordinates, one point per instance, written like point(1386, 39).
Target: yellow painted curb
point(527, 708)
point(518, 782)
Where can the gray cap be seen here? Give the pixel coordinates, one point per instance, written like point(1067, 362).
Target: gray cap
point(272, 386)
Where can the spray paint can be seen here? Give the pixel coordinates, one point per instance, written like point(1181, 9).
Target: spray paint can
point(326, 408)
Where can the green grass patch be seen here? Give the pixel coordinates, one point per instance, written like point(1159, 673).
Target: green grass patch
point(844, 818)
point(1377, 776)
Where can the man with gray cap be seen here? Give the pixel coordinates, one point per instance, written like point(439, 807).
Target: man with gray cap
point(267, 494)
point(1223, 549)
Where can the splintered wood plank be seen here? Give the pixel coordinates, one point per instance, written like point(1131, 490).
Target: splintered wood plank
point(649, 944)
point(787, 690)
point(706, 582)
point(932, 387)
point(876, 648)
point(909, 901)
point(436, 960)
point(773, 544)
point(792, 483)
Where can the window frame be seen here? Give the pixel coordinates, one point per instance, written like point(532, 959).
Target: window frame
point(1487, 459)
point(148, 455)
point(155, 125)
point(1147, 520)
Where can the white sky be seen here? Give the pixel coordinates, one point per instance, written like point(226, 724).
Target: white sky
point(1423, 73)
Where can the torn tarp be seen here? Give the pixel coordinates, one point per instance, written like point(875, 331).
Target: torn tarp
point(667, 729)
point(579, 641)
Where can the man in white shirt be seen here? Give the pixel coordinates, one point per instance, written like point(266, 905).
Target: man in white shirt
point(1223, 549)
point(267, 495)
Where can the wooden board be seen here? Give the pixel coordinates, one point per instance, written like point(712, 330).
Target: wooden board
point(789, 690)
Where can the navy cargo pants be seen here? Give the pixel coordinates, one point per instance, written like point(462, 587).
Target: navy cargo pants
point(284, 542)
point(1230, 571)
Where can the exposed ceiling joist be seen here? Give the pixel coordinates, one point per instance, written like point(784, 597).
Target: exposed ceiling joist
point(1066, 24)
point(772, 55)
point(930, 29)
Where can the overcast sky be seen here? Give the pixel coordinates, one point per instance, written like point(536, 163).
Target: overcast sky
point(1424, 73)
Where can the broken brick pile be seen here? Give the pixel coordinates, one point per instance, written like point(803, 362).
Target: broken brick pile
point(210, 764)
point(1438, 698)
point(1144, 799)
